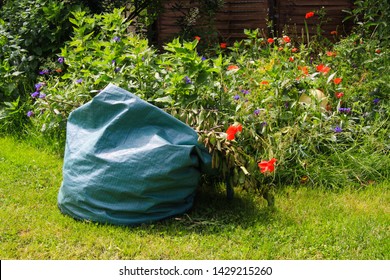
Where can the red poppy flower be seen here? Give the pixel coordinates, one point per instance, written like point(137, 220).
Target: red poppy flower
point(323, 69)
point(294, 50)
point(197, 38)
point(378, 51)
point(334, 32)
point(286, 39)
point(339, 94)
point(309, 15)
point(291, 59)
point(232, 131)
point(232, 67)
point(337, 80)
point(267, 166)
point(223, 45)
point(270, 40)
point(264, 82)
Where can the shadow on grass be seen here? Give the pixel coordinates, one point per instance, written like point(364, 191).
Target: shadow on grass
point(213, 212)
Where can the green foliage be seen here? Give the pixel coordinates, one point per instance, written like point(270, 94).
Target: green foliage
point(100, 52)
point(30, 33)
point(42, 25)
point(141, 13)
point(13, 117)
point(372, 20)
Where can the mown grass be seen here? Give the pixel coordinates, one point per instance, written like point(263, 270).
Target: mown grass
point(308, 223)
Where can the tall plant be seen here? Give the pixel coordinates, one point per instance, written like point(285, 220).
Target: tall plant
point(372, 19)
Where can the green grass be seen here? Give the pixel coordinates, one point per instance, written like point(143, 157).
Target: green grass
point(308, 223)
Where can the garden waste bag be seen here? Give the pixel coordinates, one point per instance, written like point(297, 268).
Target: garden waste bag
point(128, 162)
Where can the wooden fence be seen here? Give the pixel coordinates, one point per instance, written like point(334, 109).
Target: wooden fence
point(270, 16)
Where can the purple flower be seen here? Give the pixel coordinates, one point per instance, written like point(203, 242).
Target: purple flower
point(30, 114)
point(203, 58)
point(79, 81)
point(263, 124)
point(256, 112)
point(236, 97)
point(245, 92)
point(345, 110)
point(376, 101)
point(44, 72)
point(60, 60)
point(35, 94)
point(116, 39)
point(42, 95)
point(337, 129)
point(117, 69)
point(38, 86)
point(187, 80)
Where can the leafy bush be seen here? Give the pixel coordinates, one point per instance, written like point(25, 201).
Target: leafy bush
point(371, 20)
point(14, 80)
point(31, 32)
point(101, 51)
point(14, 63)
point(42, 25)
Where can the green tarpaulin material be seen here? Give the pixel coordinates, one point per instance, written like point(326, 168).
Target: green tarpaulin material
point(128, 162)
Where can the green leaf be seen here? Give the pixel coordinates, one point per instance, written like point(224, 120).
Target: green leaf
point(17, 73)
point(246, 172)
point(165, 99)
point(330, 78)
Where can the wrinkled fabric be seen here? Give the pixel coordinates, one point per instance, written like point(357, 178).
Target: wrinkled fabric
point(128, 162)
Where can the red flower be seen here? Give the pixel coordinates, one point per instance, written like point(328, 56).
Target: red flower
point(294, 50)
point(286, 39)
point(267, 166)
point(291, 59)
point(270, 40)
point(339, 94)
point(330, 53)
point(378, 51)
point(197, 38)
point(232, 67)
point(309, 15)
point(304, 69)
point(334, 32)
point(323, 69)
point(223, 45)
point(337, 80)
point(232, 131)
point(264, 82)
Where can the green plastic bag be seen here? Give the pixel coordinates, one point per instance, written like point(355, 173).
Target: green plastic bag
point(128, 162)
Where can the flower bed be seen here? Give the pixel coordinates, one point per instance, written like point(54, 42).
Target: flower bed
point(271, 111)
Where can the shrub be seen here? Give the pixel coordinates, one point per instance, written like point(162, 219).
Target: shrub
point(100, 51)
point(31, 32)
point(371, 20)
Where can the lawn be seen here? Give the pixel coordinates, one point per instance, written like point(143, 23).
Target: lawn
point(307, 223)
